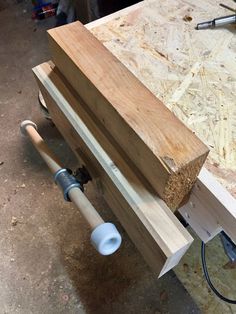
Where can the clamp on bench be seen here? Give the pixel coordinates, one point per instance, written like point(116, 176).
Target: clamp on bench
point(66, 181)
point(104, 237)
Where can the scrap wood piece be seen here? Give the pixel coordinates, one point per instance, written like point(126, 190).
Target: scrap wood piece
point(167, 153)
point(154, 229)
point(210, 209)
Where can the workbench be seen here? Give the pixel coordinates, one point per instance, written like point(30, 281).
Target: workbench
point(108, 117)
point(193, 73)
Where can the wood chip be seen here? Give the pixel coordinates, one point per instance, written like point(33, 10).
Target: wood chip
point(14, 221)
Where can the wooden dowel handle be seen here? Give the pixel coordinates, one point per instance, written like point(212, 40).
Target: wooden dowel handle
point(75, 194)
point(104, 237)
point(85, 207)
point(47, 155)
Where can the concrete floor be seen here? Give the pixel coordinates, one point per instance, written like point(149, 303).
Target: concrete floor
point(47, 263)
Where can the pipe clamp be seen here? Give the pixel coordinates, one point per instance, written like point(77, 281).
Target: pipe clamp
point(66, 182)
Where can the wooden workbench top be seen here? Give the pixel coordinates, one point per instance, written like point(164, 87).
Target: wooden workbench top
point(192, 72)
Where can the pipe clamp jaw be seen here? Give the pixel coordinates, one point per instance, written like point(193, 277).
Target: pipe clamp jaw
point(66, 182)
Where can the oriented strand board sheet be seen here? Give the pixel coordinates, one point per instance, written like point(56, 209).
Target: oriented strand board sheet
point(192, 72)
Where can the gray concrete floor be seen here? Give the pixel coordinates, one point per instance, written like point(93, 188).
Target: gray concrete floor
point(46, 262)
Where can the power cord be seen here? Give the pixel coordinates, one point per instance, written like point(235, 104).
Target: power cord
point(206, 274)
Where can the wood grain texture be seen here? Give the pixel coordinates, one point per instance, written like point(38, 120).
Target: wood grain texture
point(168, 154)
point(194, 76)
point(210, 209)
point(154, 229)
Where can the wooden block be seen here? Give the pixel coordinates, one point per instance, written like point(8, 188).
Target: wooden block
point(167, 153)
point(210, 209)
point(153, 228)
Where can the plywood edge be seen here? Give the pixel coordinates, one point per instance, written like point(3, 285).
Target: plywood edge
point(146, 213)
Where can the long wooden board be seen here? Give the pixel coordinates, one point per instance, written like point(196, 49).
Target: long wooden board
point(168, 154)
point(154, 229)
point(210, 209)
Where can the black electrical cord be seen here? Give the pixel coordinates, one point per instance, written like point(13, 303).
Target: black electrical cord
point(205, 271)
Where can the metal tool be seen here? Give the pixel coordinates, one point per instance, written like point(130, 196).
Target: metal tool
point(220, 21)
point(227, 7)
point(229, 247)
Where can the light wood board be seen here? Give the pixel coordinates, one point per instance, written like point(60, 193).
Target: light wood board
point(153, 228)
point(210, 208)
point(168, 154)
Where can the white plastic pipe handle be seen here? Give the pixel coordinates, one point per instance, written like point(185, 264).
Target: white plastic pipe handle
point(106, 238)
